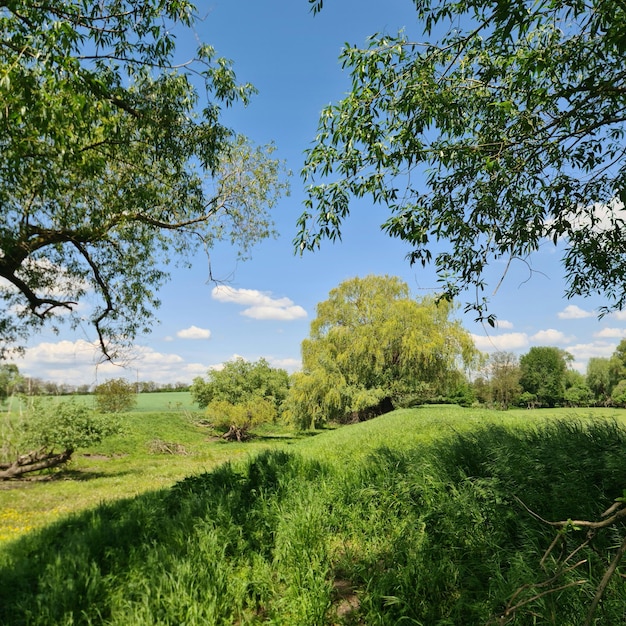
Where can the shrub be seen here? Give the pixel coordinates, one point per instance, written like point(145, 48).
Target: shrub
point(115, 396)
point(65, 425)
point(51, 433)
point(238, 419)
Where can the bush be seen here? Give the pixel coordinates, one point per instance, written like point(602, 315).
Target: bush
point(115, 396)
point(578, 395)
point(49, 435)
point(238, 419)
point(65, 425)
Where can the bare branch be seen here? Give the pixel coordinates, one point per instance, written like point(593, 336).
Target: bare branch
point(104, 289)
point(605, 581)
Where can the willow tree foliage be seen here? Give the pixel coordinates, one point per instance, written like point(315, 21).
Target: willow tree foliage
point(500, 129)
point(115, 162)
point(371, 345)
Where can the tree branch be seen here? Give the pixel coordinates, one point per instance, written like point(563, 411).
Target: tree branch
point(605, 581)
point(106, 294)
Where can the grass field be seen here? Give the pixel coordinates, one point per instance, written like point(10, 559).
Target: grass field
point(409, 518)
point(161, 443)
point(171, 401)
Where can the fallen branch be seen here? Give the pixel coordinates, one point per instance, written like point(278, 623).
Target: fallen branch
point(34, 461)
point(236, 433)
point(615, 513)
point(604, 582)
point(617, 506)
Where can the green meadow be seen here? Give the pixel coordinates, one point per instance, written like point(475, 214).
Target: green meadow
point(432, 516)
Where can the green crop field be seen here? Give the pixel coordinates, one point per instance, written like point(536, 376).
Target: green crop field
point(423, 516)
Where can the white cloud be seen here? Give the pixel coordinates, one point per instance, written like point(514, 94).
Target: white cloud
point(63, 352)
point(275, 313)
point(291, 365)
point(504, 324)
point(601, 217)
point(260, 306)
point(618, 315)
point(193, 332)
point(506, 341)
point(550, 336)
point(573, 312)
point(79, 363)
point(611, 333)
point(584, 351)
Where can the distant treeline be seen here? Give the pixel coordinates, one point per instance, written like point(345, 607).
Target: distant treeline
point(39, 387)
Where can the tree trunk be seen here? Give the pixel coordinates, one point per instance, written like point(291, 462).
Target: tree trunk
point(236, 433)
point(384, 406)
point(32, 462)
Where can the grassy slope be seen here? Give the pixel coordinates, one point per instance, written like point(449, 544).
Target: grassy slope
point(408, 518)
point(121, 466)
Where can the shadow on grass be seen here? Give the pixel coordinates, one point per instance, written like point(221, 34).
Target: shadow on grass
point(286, 438)
point(77, 569)
point(430, 535)
point(455, 545)
point(59, 475)
point(84, 475)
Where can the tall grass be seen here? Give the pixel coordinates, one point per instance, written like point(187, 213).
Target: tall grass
point(403, 520)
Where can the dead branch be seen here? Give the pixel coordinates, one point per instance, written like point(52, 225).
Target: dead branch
point(615, 513)
point(604, 582)
point(34, 461)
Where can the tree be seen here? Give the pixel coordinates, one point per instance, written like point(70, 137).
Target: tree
point(504, 379)
point(618, 359)
point(577, 392)
point(618, 395)
point(52, 432)
point(602, 376)
point(10, 379)
point(115, 162)
point(241, 395)
point(372, 346)
point(237, 420)
point(115, 396)
point(502, 130)
point(543, 374)
point(482, 390)
point(599, 378)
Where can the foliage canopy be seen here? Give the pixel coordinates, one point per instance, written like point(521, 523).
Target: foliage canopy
point(241, 395)
point(371, 342)
point(115, 162)
point(239, 381)
point(10, 379)
point(504, 378)
point(49, 435)
point(543, 372)
point(66, 425)
point(115, 396)
point(503, 129)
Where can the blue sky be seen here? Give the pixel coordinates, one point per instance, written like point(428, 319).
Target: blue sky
point(265, 305)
